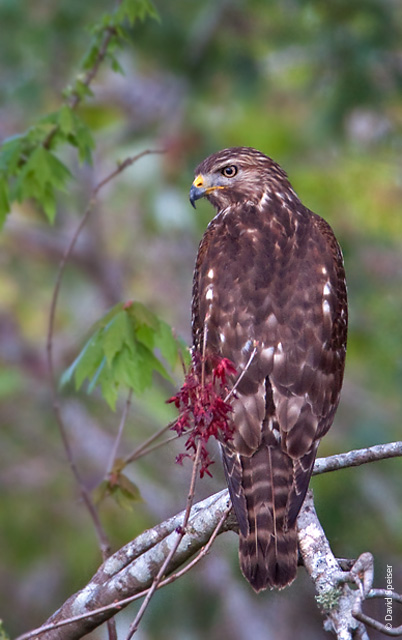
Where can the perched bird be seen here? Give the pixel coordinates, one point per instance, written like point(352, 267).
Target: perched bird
point(269, 294)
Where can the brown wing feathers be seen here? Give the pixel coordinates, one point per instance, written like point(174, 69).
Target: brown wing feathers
point(269, 273)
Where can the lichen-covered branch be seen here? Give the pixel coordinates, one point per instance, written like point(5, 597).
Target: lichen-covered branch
point(131, 570)
point(335, 599)
point(128, 574)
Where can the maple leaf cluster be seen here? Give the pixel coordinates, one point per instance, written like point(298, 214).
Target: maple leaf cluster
point(204, 408)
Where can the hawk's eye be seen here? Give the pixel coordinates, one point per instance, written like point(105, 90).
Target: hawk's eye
point(229, 171)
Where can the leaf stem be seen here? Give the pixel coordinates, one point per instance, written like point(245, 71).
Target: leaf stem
point(116, 444)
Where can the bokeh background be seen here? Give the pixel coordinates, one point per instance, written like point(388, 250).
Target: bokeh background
point(317, 86)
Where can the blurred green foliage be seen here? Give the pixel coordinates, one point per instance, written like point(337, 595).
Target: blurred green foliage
point(120, 352)
point(317, 86)
point(28, 168)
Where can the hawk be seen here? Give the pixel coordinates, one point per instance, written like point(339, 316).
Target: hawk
point(269, 294)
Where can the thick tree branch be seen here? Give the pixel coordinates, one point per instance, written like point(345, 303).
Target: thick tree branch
point(131, 570)
point(128, 574)
point(337, 601)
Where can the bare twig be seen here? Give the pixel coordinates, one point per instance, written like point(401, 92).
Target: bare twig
point(74, 102)
point(123, 165)
point(86, 497)
point(375, 624)
point(145, 448)
point(239, 379)
point(76, 98)
point(384, 593)
point(204, 344)
point(59, 277)
point(85, 494)
point(91, 73)
point(180, 534)
point(145, 452)
point(201, 553)
point(385, 628)
point(115, 448)
point(357, 457)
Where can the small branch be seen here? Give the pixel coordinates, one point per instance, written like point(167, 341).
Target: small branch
point(378, 626)
point(181, 532)
point(384, 593)
point(387, 628)
point(204, 551)
point(357, 457)
point(75, 99)
point(85, 494)
point(123, 165)
point(91, 73)
point(116, 444)
point(239, 379)
point(144, 448)
point(86, 497)
point(145, 452)
point(204, 345)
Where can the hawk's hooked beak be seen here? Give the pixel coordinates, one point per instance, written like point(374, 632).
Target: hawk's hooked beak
point(201, 187)
point(198, 189)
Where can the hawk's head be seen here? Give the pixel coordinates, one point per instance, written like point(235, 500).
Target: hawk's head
point(235, 175)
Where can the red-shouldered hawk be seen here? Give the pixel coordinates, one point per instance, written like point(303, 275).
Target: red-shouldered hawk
point(269, 294)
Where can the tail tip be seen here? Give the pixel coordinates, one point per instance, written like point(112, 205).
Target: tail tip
point(269, 575)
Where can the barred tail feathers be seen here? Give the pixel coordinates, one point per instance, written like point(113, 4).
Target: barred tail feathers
point(268, 549)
